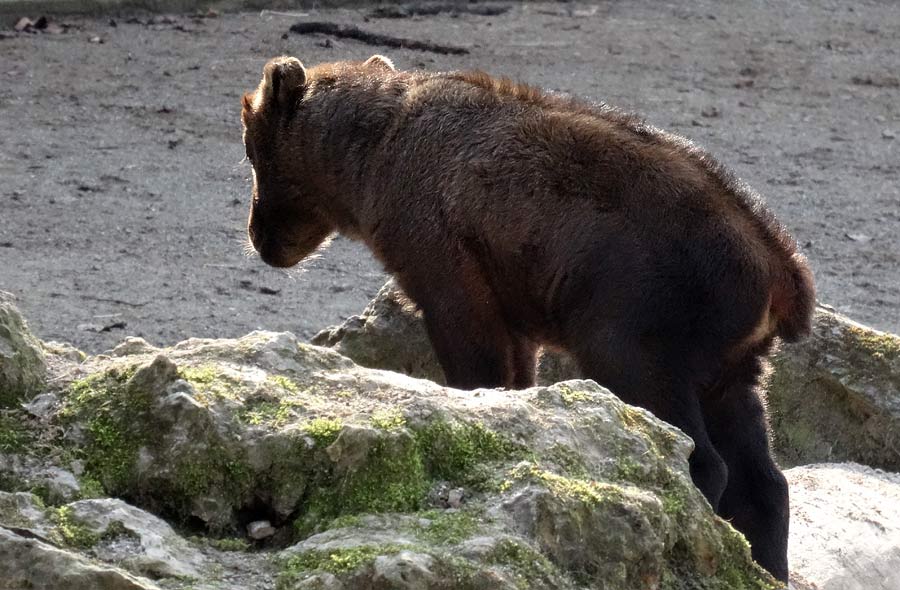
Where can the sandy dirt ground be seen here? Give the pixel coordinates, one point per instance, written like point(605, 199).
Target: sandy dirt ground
point(124, 195)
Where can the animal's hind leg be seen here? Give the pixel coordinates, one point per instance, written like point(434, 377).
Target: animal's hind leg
point(643, 378)
point(756, 497)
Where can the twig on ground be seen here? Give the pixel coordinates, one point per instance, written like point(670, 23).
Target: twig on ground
point(353, 32)
point(425, 9)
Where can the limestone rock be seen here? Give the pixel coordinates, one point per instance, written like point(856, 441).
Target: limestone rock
point(389, 334)
point(22, 366)
point(27, 563)
point(553, 487)
point(836, 395)
point(260, 529)
point(24, 513)
point(218, 432)
point(135, 540)
point(20, 471)
point(845, 527)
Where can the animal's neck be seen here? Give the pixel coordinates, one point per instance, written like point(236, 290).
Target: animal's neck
point(347, 126)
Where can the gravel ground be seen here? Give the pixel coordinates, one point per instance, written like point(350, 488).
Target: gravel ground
point(124, 194)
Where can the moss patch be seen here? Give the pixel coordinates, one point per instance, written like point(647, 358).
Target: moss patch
point(446, 527)
point(112, 415)
point(880, 345)
point(15, 436)
point(334, 561)
point(391, 478)
point(323, 430)
point(571, 397)
point(528, 567)
point(390, 420)
point(588, 492)
point(269, 413)
point(68, 531)
point(231, 544)
point(210, 383)
point(459, 452)
point(567, 460)
point(284, 383)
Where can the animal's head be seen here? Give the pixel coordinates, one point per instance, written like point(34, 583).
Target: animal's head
point(286, 221)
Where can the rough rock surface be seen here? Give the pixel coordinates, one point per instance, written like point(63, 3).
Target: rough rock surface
point(832, 397)
point(357, 470)
point(389, 334)
point(22, 367)
point(135, 540)
point(845, 527)
point(836, 395)
point(27, 564)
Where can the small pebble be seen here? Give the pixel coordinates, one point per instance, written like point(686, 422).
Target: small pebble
point(455, 497)
point(260, 529)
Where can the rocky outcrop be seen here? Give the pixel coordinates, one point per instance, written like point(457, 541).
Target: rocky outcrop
point(27, 563)
point(836, 396)
point(832, 397)
point(367, 478)
point(845, 527)
point(389, 334)
point(296, 468)
point(22, 366)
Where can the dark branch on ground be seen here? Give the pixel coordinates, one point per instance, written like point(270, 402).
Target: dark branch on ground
point(353, 32)
point(428, 9)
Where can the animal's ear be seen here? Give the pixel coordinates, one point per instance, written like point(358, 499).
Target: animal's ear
point(283, 77)
point(380, 61)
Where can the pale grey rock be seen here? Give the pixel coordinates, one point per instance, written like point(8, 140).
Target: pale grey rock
point(142, 543)
point(260, 529)
point(389, 334)
point(132, 345)
point(62, 351)
point(20, 471)
point(845, 527)
point(455, 497)
point(25, 512)
point(836, 396)
point(317, 582)
point(23, 369)
point(564, 485)
point(42, 406)
point(29, 564)
point(406, 570)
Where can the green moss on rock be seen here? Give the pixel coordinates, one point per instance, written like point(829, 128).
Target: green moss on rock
point(15, 436)
point(880, 345)
point(528, 567)
point(113, 416)
point(334, 561)
point(68, 531)
point(23, 369)
point(459, 452)
point(323, 430)
point(447, 527)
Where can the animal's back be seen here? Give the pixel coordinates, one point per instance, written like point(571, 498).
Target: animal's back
point(513, 168)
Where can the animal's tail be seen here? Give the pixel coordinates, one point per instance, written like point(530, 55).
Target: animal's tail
point(794, 298)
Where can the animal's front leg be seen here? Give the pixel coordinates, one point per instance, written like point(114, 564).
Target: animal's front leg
point(463, 319)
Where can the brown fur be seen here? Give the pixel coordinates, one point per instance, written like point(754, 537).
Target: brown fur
point(516, 218)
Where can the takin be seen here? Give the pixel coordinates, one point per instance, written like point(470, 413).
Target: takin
point(515, 219)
